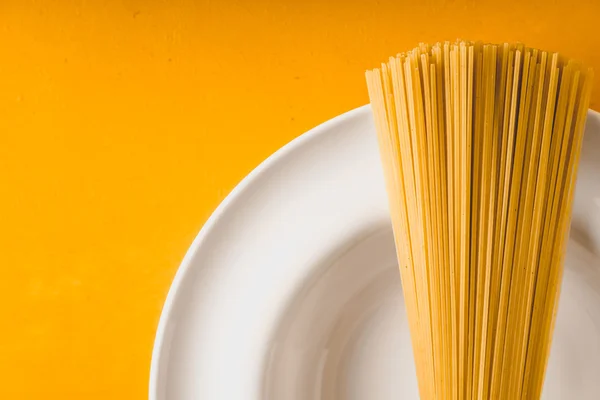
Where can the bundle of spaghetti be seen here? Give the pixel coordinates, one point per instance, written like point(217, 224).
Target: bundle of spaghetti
point(480, 146)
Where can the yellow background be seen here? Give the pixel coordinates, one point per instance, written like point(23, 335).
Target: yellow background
point(123, 124)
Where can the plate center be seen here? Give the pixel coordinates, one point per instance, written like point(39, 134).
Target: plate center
point(346, 335)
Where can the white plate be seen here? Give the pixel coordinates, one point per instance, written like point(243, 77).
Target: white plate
point(290, 291)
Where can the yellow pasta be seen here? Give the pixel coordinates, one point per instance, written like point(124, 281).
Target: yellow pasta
point(480, 145)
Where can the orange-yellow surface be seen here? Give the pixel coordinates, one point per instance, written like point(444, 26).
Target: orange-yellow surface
point(123, 124)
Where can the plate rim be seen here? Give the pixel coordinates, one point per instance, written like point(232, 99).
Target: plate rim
point(186, 263)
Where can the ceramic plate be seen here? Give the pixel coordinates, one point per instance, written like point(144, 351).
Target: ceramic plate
point(291, 290)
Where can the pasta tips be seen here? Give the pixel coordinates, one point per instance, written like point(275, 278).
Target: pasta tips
point(480, 145)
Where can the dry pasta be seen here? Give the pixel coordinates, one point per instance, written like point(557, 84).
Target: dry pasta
point(480, 146)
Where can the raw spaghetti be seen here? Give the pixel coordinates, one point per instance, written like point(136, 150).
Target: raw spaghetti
point(480, 146)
